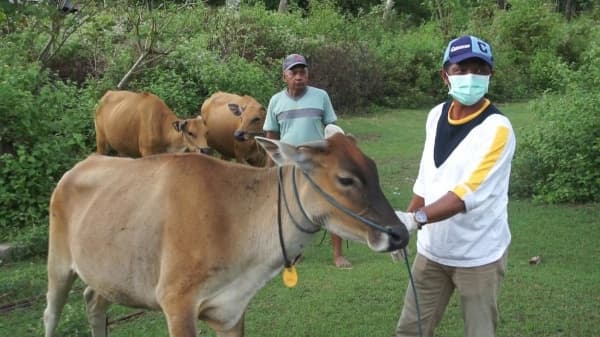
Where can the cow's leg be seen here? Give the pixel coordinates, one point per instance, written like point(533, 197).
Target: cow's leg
point(60, 281)
point(236, 331)
point(181, 317)
point(96, 307)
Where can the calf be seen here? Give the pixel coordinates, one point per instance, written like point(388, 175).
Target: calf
point(141, 124)
point(232, 122)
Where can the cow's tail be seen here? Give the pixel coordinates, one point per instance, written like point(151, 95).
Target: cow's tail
point(60, 274)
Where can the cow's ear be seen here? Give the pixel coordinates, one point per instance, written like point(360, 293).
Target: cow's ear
point(179, 125)
point(273, 149)
point(286, 154)
point(235, 109)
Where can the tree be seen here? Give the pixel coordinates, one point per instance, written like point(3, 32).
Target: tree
point(61, 29)
point(387, 11)
point(232, 4)
point(502, 4)
point(147, 51)
point(283, 6)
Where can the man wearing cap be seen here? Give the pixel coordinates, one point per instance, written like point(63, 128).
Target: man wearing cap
point(460, 200)
point(298, 114)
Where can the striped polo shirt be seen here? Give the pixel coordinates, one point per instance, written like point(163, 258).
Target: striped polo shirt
point(302, 119)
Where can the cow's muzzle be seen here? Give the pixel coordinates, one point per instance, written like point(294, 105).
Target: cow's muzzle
point(204, 150)
point(399, 237)
point(240, 136)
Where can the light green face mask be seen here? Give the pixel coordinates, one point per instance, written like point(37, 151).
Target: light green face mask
point(468, 89)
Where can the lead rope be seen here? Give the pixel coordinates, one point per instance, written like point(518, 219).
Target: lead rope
point(287, 261)
point(348, 212)
point(414, 289)
point(287, 207)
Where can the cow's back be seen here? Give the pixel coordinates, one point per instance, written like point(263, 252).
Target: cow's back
point(116, 218)
point(126, 122)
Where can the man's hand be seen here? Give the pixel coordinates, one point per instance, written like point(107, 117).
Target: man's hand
point(332, 129)
point(398, 255)
point(408, 219)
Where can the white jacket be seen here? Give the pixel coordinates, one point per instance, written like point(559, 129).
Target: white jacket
point(477, 170)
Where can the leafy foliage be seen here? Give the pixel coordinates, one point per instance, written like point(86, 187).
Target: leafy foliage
point(557, 159)
point(49, 130)
point(46, 106)
point(412, 61)
point(349, 72)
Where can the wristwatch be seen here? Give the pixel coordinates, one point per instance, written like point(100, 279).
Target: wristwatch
point(420, 218)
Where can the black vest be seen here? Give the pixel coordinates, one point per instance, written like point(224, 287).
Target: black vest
point(448, 136)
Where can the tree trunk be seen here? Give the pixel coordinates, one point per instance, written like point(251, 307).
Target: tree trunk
point(387, 11)
point(283, 6)
point(232, 4)
point(127, 78)
point(569, 9)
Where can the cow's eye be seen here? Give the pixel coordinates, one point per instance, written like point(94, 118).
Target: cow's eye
point(345, 181)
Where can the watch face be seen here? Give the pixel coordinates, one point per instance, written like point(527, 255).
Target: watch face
point(421, 216)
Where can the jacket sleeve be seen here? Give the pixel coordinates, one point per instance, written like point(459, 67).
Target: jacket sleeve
point(490, 166)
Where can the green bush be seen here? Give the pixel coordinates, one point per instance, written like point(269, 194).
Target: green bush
point(45, 126)
point(61, 115)
point(548, 72)
point(523, 38)
point(46, 110)
point(238, 76)
point(349, 72)
point(253, 34)
point(412, 61)
point(557, 159)
point(587, 77)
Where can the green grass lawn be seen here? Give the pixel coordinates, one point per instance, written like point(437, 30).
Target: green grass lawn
point(558, 297)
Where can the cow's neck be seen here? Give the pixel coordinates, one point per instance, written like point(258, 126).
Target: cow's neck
point(296, 228)
point(291, 214)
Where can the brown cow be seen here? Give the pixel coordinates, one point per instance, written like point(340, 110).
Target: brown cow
point(232, 123)
point(197, 237)
point(141, 124)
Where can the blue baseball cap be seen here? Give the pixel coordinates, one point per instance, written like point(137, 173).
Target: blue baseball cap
point(466, 47)
point(293, 60)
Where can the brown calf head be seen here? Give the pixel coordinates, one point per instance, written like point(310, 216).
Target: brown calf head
point(252, 117)
point(193, 131)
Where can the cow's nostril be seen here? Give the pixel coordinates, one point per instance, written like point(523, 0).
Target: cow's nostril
point(399, 238)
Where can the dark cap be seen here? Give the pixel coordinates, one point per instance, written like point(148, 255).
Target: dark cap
point(294, 60)
point(466, 47)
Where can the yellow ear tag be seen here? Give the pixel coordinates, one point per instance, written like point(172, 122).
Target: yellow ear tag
point(290, 277)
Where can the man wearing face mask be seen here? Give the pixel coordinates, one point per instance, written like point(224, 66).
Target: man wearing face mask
point(460, 200)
